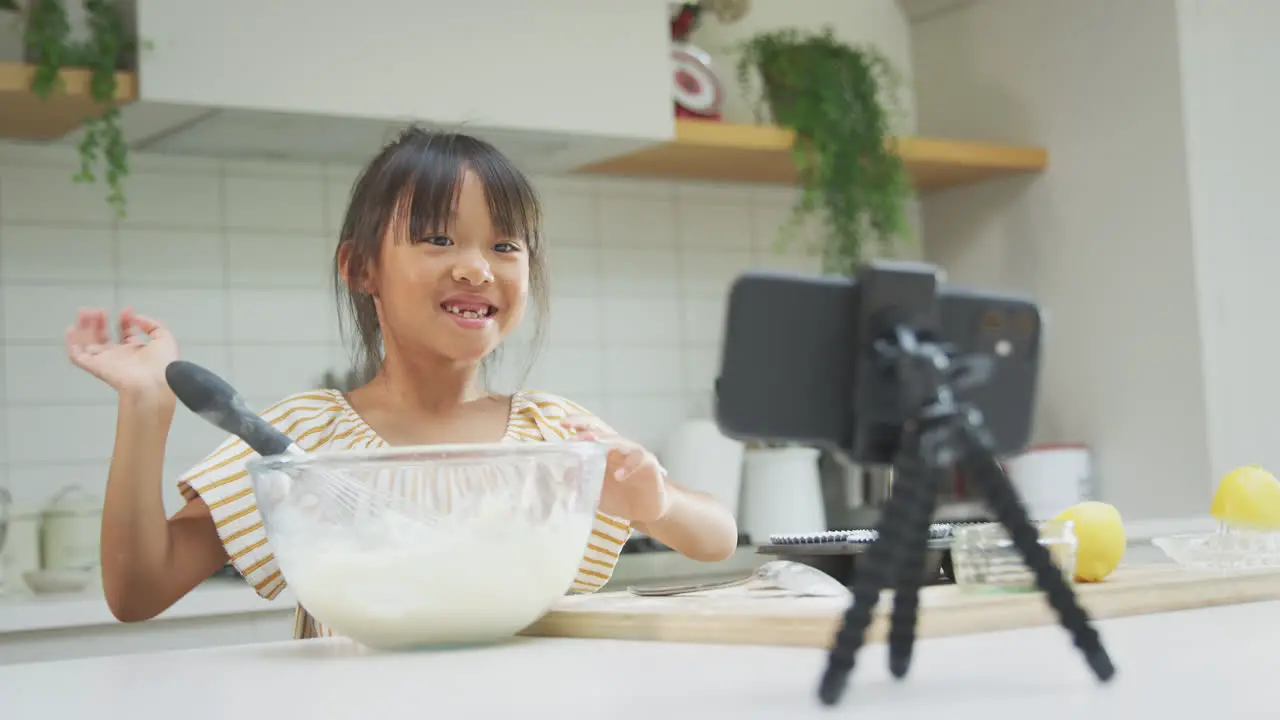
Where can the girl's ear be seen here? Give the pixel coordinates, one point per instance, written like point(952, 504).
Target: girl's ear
point(357, 275)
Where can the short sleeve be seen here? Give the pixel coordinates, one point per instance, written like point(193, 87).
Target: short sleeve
point(222, 480)
point(540, 416)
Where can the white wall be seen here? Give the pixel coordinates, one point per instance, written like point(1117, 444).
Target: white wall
point(236, 259)
point(1229, 58)
point(1103, 238)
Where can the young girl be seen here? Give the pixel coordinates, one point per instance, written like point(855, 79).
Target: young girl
point(439, 255)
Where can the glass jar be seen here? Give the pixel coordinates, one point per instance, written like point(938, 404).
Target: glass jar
point(986, 560)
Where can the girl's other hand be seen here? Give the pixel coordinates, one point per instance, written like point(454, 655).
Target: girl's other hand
point(635, 484)
point(133, 362)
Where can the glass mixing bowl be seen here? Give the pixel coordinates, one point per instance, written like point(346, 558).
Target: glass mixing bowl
point(436, 545)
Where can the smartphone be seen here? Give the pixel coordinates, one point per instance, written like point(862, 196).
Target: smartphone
point(797, 350)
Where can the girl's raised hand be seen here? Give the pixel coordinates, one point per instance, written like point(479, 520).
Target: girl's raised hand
point(132, 361)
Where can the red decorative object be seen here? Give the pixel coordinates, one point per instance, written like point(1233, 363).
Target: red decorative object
point(697, 91)
point(684, 19)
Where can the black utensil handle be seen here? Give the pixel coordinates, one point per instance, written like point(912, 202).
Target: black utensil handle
point(212, 398)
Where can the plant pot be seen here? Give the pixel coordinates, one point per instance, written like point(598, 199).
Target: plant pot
point(779, 97)
point(11, 45)
point(78, 20)
point(780, 93)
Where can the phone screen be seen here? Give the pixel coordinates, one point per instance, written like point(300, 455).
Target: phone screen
point(790, 345)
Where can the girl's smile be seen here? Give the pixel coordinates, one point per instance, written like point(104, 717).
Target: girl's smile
point(472, 312)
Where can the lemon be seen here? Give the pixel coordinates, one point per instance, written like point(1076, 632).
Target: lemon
point(1100, 539)
point(1248, 497)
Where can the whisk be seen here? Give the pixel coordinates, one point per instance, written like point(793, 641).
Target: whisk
point(214, 399)
point(416, 494)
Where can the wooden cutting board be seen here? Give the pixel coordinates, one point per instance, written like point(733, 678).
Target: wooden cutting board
point(743, 616)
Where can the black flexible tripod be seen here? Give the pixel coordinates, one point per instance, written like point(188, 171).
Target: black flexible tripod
point(943, 433)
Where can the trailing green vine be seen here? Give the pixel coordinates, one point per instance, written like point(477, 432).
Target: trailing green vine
point(841, 102)
point(51, 48)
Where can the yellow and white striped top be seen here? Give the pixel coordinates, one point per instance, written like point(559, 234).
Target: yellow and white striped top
point(323, 420)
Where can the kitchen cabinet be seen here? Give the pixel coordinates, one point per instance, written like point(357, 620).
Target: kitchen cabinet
point(556, 83)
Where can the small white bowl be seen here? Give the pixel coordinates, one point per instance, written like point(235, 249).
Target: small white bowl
point(50, 582)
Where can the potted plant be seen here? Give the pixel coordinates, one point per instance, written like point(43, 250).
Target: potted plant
point(841, 103)
point(105, 47)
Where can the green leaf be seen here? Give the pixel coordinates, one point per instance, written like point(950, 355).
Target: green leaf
point(841, 102)
point(47, 39)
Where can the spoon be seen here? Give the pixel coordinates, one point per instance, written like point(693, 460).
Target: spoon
point(785, 575)
point(212, 398)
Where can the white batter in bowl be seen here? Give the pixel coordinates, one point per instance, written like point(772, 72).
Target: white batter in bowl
point(407, 547)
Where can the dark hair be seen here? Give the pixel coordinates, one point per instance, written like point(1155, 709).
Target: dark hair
point(413, 183)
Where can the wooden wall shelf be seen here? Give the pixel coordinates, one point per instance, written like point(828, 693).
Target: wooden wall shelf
point(23, 116)
point(706, 150)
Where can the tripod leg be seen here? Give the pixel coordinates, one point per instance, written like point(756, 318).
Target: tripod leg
point(868, 582)
point(1003, 499)
point(920, 499)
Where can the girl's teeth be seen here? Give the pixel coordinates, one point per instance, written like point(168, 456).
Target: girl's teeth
point(471, 314)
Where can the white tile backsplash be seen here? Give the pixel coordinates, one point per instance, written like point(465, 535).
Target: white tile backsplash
point(236, 257)
point(196, 315)
point(188, 200)
point(172, 258)
point(46, 194)
point(277, 260)
point(639, 272)
point(51, 253)
point(286, 203)
point(42, 313)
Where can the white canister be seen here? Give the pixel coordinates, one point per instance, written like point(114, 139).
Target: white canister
point(1051, 478)
point(701, 458)
point(21, 553)
point(781, 493)
point(71, 530)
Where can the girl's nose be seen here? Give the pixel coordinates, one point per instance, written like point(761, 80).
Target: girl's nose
point(472, 268)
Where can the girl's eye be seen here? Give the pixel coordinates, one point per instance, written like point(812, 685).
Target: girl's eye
point(440, 240)
point(506, 247)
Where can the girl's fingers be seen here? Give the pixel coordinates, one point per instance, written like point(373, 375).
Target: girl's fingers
point(631, 461)
point(75, 344)
point(582, 422)
point(95, 322)
point(146, 324)
point(89, 329)
point(125, 323)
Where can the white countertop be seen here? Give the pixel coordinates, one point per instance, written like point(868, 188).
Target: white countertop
point(231, 596)
point(1171, 665)
point(219, 596)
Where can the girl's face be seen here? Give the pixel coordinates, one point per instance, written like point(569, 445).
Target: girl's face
point(457, 291)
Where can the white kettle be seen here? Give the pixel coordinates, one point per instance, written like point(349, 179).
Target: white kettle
point(70, 527)
point(698, 456)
